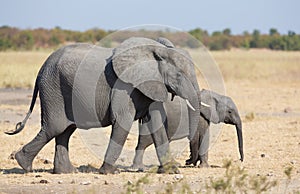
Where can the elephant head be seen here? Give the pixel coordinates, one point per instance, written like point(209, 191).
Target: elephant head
point(218, 108)
point(156, 68)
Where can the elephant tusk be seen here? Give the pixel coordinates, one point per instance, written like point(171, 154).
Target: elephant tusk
point(204, 104)
point(189, 105)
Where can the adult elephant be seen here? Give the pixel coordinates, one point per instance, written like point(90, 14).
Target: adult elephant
point(215, 108)
point(86, 86)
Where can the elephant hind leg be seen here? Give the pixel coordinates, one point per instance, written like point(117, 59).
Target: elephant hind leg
point(204, 161)
point(143, 142)
point(26, 155)
point(62, 162)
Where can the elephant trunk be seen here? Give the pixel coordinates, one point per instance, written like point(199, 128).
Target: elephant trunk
point(240, 139)
point(189, 90)
point(193, 126)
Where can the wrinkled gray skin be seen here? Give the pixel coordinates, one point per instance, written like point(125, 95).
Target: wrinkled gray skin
point(222, 109)
point(86, 86)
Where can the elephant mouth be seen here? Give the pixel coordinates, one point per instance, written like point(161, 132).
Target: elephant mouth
point(170, 90)
point(228, 121)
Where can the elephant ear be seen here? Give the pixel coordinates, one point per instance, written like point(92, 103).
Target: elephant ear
point(135, 62)
point(209, 113)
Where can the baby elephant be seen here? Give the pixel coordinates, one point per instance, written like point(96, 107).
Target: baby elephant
point(215, 108)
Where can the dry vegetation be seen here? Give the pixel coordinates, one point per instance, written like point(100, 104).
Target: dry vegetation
point(266, 88)
point(259, 65)
point(19, 69)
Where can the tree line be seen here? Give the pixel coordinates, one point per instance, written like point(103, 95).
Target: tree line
point(221, 40)
point(12, 38)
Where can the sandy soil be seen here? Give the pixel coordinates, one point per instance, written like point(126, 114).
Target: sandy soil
point(271, 126)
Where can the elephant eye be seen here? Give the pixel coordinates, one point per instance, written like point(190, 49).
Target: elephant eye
point(179, 75)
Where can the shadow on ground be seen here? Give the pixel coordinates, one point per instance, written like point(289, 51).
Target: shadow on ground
point(21, 171)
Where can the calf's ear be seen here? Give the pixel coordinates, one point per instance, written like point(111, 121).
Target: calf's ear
point(209, 107)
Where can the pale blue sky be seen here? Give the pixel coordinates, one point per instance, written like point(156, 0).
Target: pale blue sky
point(211, 15)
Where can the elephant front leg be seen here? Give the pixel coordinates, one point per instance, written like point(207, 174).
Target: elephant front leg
point(157, 129)
point(194, 149)
point(118, 137)
point(204, 147)
point(167, 163)
point(62, 162)
point(200, 148)
point(192, 160)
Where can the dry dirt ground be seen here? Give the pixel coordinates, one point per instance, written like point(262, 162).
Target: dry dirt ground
point(271, 125)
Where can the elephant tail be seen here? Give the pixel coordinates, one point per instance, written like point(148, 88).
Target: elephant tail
point(20, 126)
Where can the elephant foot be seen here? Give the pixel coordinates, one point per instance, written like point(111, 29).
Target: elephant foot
point(64, 169)
point(62, 164)
point(204, 165)
point(137, 167)
point(24, 161)
point(190, 162)
point(169, 168)
point(108, 169)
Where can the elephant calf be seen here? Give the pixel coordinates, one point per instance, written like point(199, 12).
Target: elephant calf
point(215, 108)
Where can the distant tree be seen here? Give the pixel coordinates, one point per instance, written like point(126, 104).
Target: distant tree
point(57, 37)
point(23, 40)
point(291, 33)
point(216, 33)
point(88, 36)
point(54, 41)
point(4, 44)
point(246, 33)
point(245, 44)
point(245, 40)
point(219, 42)
point(227, 32)
point(254, 43)
point(199, 34)
point(99, 34)
point(292, 41)
point(256, 34)
point(273, 31)
point(277, 43)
